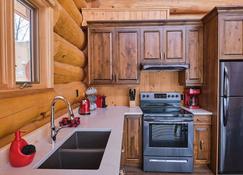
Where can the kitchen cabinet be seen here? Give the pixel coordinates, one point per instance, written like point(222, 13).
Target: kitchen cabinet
point(194, 54)
point(231, 36)
point(202, 137)
point(101, 56)
point(163, 45)
point(174, 44)
point(127, 56)
point(117, 48)
point(152, 45)
point(132, 141)
point(114, 56)
point(222, 40)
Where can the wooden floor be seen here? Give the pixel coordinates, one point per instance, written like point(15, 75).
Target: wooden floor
point(197, 171)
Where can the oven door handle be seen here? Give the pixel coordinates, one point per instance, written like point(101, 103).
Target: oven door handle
point(168, 122)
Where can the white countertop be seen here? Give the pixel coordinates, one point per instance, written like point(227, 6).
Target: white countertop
point(199, 111)
point(110, 118)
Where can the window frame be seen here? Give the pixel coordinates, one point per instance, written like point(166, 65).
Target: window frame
point(34, 61)
point(8, 85)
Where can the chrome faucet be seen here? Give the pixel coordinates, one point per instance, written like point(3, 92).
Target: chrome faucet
point(54, 129)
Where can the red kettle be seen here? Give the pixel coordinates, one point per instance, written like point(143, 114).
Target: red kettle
point(84, 108)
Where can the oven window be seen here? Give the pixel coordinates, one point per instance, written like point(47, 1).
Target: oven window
point(168, 135)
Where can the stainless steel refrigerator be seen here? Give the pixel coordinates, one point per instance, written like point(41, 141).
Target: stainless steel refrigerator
point(231, 118)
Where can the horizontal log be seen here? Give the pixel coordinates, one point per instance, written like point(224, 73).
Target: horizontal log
point(17, 112)
point(70, 91)
point(32, 126)
point(72, 10)
point(66, 27)
point(64, 73)
point(65, 52)
point(80, 4)
point(31, 112)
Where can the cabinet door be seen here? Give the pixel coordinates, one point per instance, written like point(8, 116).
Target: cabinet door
point(174, 44)
point(151, 44)
point(202, 144)
point(231, 37)
point(194, 54)
point(133, 140)
point(100, 56)
point(127, 56)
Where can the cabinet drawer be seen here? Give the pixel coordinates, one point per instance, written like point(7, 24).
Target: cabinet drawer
point(202, 119)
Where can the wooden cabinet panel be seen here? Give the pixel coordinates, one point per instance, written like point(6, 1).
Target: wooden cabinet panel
point(194, 54)
point(231, 37)
point(151, 40)
point(127, 56)
point(100, 56)
point(202, 144)
point(132, 141)
point(174, 43)
point(202, 137)
point(233, 34)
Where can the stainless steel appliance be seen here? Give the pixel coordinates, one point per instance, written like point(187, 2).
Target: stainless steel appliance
point(167, 133)
point(231, 118)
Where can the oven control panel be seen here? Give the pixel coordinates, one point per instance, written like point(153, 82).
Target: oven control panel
point(160, 96)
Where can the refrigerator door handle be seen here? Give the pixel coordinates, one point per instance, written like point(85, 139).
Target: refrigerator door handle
point(226, 82)
point(225, 110)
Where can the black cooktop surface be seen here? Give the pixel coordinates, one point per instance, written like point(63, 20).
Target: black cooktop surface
point(166, 111)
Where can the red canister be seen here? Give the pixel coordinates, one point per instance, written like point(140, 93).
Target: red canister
point(84, 108)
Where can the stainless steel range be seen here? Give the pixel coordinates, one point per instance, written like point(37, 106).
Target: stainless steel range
point(167, 133)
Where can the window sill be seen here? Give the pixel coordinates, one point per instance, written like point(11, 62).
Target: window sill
point(22, 92)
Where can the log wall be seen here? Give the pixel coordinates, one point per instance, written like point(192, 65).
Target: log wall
point(32, 111)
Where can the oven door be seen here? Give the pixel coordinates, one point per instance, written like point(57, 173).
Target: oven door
point(168, 138)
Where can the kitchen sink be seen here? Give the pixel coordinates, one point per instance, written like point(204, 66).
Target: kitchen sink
point(83, 150)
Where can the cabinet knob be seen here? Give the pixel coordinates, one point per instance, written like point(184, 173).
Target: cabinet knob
point(201, 145)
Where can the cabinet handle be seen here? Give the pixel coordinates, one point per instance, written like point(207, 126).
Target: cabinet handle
point(201, 145)
point(115, 78)
point(161, 55)
point(164, 55)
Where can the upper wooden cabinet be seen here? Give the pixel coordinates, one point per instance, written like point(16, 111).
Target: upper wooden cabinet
point(174, 44)
point(163, 45)
point(114, 56)
point(194, 54)
point(151, 45)
point(127, 59)
point(101, 56)
point(231, 36)
point(116, 49)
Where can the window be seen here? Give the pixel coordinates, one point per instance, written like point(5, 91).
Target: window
point(25, 34)
point(26, 46)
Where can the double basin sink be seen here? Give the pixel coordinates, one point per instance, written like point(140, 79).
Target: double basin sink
point(83, 150)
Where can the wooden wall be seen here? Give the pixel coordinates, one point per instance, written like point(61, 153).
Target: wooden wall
point(149, 81)
point(28, 112)
point(178, 8)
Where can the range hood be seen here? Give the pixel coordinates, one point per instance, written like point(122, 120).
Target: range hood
point(164, 67)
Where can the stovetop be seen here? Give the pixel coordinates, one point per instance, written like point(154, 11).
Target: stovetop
point(166, 105)
point(175, 112)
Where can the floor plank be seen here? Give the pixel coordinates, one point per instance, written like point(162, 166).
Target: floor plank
point(197, 171)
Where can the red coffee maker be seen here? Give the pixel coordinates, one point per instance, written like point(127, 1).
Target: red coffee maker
point(192, 98)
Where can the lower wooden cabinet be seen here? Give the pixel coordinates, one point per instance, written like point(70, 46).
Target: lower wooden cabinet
point(202, 136)
point(132, 141)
